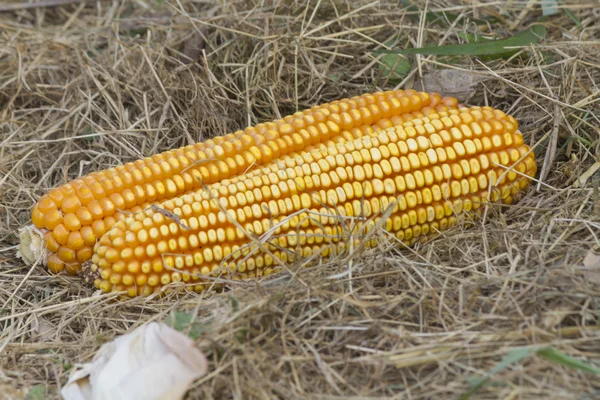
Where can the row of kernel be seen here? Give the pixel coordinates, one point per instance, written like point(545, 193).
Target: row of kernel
point(380, 174)
point(382, 151)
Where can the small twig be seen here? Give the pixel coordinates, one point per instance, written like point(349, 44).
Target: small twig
point(523, 14)
point(551, 150)
point(170, 215)
point(14, 293)
point(195, 163)
point(39, 4)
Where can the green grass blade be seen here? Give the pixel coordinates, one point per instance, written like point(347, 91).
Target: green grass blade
point(489, 48)
point(573, 18)
point(472, 37)
point(566, 360)
point(512, 357)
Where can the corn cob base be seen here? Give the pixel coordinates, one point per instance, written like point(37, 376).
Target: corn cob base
point(313, 191)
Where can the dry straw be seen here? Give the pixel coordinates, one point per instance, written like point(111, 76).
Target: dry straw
point(89, 85)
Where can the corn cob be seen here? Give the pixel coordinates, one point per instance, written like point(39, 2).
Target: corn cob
point(72, 217)
point(414, 178)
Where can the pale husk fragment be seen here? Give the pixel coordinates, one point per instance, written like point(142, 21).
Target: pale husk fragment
point(31, 245)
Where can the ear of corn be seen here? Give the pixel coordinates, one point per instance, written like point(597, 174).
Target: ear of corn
point(311, 185)
point(414, 179)
point(72, 217)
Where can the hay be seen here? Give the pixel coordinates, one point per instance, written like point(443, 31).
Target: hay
point(89, 85)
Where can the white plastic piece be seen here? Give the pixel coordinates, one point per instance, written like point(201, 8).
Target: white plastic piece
point(153, 362)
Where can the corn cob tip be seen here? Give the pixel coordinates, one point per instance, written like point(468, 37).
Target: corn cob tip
point(31, 245)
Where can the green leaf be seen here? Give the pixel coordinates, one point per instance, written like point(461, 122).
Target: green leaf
point(519, 354)
point(548, 57)
point(513, 357)
point(549, 7)
point(394, 67)
point(580, 140)
point(88, 130)
point(566, 360)
point(178, 320)
point(573, 17)
point(37, 392)
point(500, 47)
point(241, 335)
point(334, 77)
point(181, 321)
point(235, 304)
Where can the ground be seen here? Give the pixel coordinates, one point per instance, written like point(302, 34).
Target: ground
point(507, 308)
